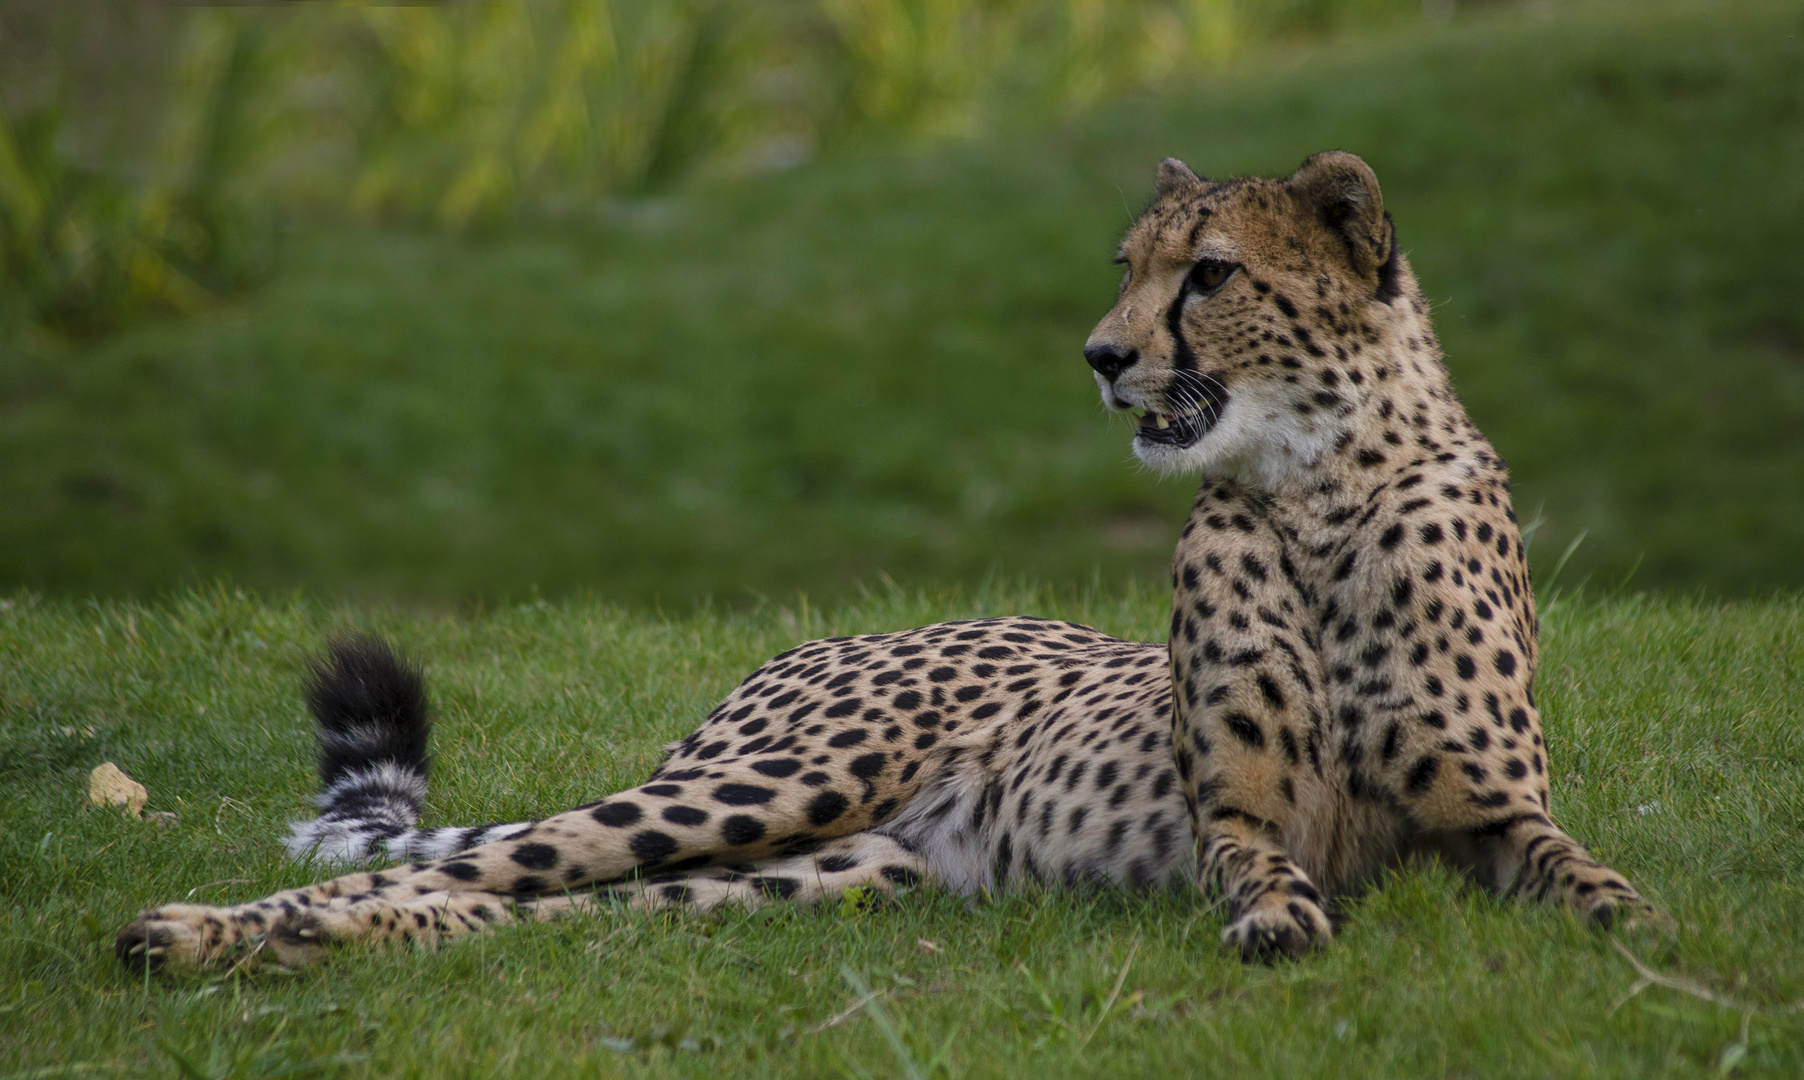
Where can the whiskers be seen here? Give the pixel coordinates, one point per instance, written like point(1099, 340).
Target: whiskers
point(1194, 392)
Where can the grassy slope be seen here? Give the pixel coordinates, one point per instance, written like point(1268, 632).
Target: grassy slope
point(1677, 755)
point(871, 365)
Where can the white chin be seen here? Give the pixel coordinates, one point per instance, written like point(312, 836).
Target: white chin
point(1174, 460)
point(1258, 440)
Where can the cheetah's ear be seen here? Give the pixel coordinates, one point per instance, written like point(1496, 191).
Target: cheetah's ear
point(1344, 192)
point(1174, 176)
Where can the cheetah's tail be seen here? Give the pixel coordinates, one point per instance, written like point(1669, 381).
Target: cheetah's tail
point(372, 717)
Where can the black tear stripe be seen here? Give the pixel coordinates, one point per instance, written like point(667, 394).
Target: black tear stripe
point(1182, 359)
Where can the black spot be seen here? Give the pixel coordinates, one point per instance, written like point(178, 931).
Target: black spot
point(675, 893)
point(668, 791)
point(527, 883)
point(535, 856)
point(1421, 775)
point(1504, 662)
point(826, 808)
point(462, 871)
point(1388, 539)
point(1466, 668)
point(1244, 728)
point(836, 864)
point(685, 815)
point(1162, 785)
point(847, 738)
point(617, 814)
point(743, 794)
point(777, 767)
point(650, 846)
point(868, 765)
point(740, 829)
point(1289, 744)
point(901, 875)
point(780, 887)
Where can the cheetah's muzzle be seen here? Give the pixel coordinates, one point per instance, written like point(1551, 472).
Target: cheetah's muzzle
point(1193, 405)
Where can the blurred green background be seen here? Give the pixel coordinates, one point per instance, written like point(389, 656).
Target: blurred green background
point(674, 299)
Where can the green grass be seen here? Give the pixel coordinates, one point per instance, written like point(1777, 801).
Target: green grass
point(1677, 748)
point(870, 365)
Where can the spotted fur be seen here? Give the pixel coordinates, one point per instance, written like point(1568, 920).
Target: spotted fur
point(1347, 682)
point(1353, 635)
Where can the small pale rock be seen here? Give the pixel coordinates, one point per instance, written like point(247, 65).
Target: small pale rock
point(163, 818)
point(109, 786)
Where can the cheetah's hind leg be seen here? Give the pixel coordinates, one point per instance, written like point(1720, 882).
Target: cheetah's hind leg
point(861, 867)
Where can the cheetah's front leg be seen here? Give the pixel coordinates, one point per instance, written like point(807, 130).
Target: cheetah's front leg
point(1246, 734)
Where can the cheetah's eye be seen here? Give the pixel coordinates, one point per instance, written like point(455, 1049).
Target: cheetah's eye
point(1209, 275)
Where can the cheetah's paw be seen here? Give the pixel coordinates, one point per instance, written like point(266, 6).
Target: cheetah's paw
point(1623, 911)
point(180, 937)
point(1278, 926)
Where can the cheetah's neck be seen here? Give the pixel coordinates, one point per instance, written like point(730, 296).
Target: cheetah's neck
point(1401, 417)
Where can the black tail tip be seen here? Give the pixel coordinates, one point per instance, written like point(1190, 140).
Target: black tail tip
point(370, 704)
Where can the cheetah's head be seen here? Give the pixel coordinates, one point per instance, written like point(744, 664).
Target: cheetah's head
point(1250, 316)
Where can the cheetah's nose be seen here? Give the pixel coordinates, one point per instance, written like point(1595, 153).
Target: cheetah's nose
point(1110, 361)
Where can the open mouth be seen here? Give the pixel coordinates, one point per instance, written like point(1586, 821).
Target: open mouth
point(1184, 426)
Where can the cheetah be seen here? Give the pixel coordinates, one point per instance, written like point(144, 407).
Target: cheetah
point(1353, 634)
point(1347, 683)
